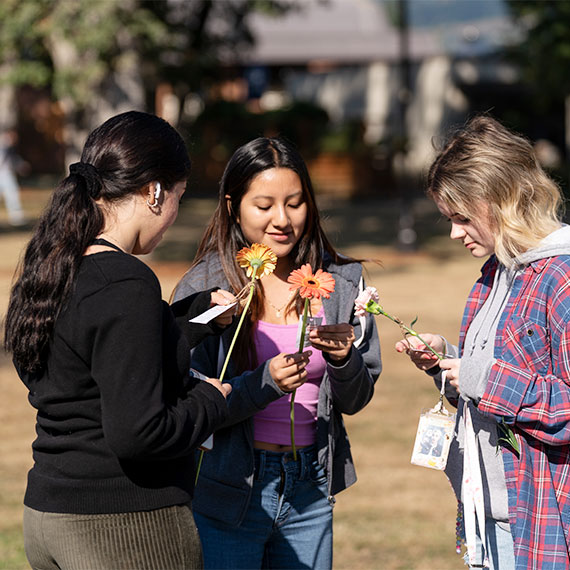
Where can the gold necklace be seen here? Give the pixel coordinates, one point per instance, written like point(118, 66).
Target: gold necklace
point(279, 309)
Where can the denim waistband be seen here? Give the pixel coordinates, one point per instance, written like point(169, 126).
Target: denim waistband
point(287, 456)
point(284, 460)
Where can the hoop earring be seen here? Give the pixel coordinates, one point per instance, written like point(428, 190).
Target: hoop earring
point(154, 205)
point(156, 195)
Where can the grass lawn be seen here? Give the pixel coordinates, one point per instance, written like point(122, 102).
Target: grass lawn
point(397, 516)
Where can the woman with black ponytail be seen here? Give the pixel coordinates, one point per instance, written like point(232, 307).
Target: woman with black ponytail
point(106, 362)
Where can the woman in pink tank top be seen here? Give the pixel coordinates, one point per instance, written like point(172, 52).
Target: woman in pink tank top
point(255, 505)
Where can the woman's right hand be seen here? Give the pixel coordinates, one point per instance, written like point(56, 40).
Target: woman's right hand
point(289, 370)
point(417, 351)
point(223, 297)
point(223, 387)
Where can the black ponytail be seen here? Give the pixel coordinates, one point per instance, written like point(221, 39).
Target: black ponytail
point(120, 157)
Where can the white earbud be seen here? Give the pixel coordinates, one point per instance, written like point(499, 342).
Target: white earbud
point(156, 196)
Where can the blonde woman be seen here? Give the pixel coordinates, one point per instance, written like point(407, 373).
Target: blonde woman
point(510, 374)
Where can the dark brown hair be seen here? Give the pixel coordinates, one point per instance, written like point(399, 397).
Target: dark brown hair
point(124, 154)
point(224, 236)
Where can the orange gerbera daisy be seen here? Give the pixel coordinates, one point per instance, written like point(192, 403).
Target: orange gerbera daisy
point(258, 259)
point(310, 286)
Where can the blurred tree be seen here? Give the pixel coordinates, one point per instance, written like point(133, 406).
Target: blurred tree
point(106, 56)
point(544, 54)
point(545, 51)
point(86, 52)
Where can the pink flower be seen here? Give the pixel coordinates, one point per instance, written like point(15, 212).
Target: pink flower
point(361, 302)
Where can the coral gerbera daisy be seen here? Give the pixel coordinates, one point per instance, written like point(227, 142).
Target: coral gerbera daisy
point(310, 286)
point(258, 259)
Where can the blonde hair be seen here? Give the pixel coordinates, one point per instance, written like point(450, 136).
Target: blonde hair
point(485, 163)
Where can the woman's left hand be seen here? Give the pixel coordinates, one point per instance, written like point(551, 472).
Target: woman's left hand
point(335, 340)
point(451, 366)
point(223, 297)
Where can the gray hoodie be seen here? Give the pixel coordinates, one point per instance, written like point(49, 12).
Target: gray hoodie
point(476, 361)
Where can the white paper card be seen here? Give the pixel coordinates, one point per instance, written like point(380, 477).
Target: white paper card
point(208, 444)
point(209, 315)
point(197, 374)
point(312, 322)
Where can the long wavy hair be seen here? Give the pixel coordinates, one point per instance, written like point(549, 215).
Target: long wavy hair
point(123, 155)
point(485, 163)
point(224, 236)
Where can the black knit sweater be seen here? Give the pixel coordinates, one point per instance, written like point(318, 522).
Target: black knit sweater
point(118, 415)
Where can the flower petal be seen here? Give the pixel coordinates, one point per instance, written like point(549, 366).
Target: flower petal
point(259, 260)
point(321, 284)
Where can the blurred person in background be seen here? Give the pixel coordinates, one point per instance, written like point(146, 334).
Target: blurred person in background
point(107, 361)
point(510, 374)
point(10, 165)
point(256, 506)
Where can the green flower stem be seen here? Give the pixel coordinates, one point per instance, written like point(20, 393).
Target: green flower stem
point(508, 436)
point(198, 467)
point(242, 318)
point(301, 346)
point(374, 308)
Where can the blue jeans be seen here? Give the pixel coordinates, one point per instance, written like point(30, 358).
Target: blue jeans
point(288, 523)
point(500, 543)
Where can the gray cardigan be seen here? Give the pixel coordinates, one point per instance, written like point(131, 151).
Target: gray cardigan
point(226, 475)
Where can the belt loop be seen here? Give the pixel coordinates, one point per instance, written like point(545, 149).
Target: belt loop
point(260, 463)
point(303, 467)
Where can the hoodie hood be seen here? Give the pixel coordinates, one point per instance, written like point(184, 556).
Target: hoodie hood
point(556, 243)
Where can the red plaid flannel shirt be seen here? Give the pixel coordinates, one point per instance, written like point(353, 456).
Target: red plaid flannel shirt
point(529, 388)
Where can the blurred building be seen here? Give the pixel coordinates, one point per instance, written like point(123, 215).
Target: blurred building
point(405, 69)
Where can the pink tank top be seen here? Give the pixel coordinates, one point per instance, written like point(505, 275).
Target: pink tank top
point(272, 424)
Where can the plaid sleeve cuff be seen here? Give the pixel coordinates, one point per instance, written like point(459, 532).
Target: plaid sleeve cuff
point(506, 390)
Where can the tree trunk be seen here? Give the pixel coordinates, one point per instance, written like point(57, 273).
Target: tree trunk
point(121, 90)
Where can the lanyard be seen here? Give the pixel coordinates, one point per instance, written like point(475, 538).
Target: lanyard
point(473, 502)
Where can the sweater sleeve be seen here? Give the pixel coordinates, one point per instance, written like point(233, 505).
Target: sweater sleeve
point(251, 391)
point(186, 308)
point(125, 323)
point(352, 382)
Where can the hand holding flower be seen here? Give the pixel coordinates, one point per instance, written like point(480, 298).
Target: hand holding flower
point(309, 286)
point(223, 387)
point(223, 297)
point(423, 358)
point(258, 260)
point(289, 370)
point(336, 340)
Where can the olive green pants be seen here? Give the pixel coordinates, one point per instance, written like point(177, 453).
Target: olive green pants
point(161, 539)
